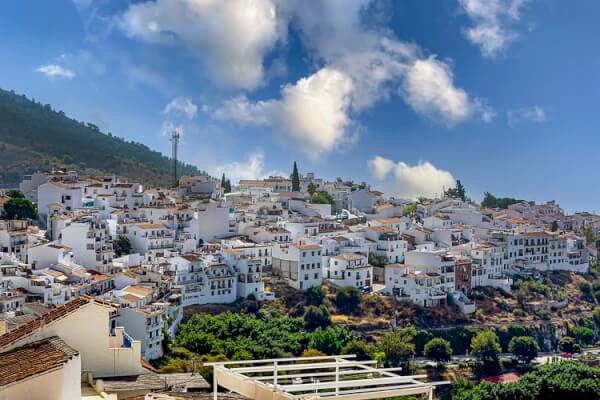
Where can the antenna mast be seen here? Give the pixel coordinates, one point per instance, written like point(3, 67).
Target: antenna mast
point(174, 142)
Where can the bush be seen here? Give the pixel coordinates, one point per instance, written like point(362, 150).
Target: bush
point(322, 197)
point(317, 317)
point(347, 300)
point(314, 296)
point(362, 350)
point(331, 340)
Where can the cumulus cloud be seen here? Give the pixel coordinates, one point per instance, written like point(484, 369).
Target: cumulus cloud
point(360, 64)
point(56, 71)
point(533, 114)
point(380, 167)
point(312, 113)
point(318, 113)
point(491, 23)
point(253, 167)
point(182, 105)
point(429, 90)
point(422, 179)
point(230, 37)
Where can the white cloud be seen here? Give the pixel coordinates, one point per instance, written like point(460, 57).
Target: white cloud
point(182, 105)
point(430, 91)
point(318, 112)
point(533, 114)
point(380, 167)
point(422, 179)
point(231, 37)
point(491, 23)
point(244, 112)
point(251, 168)
point(56, 71)
point(312, 113)
point(168, 127)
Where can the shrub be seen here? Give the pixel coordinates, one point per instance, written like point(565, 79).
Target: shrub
point(347, 300)
point(314, 296)
point(317, 317)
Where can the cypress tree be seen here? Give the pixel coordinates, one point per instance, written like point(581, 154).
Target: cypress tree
point(295, 179)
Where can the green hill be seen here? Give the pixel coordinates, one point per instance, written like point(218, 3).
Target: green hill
point(35, 137)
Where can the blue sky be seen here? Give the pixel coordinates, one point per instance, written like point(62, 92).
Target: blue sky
point(408, 95)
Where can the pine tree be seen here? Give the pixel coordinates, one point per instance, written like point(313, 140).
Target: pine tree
point(227, 186)
point(295, 179)
point(223, 181)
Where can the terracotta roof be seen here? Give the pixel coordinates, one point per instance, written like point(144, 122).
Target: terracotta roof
point(310, 247)
point(138, 290)
point(52, 315)
point(150, 226)
point(391, 220)
point(382, 229)
point(33, 359)
point(130, 298)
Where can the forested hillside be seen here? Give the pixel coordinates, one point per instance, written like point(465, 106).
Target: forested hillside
point(33, 137)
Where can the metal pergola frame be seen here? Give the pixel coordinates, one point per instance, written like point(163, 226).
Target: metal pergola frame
point(313, 378)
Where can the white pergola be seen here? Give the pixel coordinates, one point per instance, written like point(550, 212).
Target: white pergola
point(314, 378)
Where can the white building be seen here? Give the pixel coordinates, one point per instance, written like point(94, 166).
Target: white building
point(146, 237)
point(299, 265)
point(349, 269)
point(91, 244)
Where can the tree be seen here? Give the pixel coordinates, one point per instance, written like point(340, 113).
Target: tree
point(486, 347)
point(457, 192)
point(410, 209)
point(317, 317)
point(554, 226)
point(398, 348)
point(362, 350)
point(15, 194)
point(561, 380)
point(223, 181)
point(584, 335)
point(347, 300)
point(19, 208)
point(491, 201)
point(322, 197)
point(439, 350)
point(295, 179)
point(567, 344)
point(314, 296)
point(311, 189)
point(227, 186)
point(122, 246)
point(590, 235)
point(524, 348)
point(330, 340)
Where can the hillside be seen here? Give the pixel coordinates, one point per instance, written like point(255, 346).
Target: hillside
point(35, 137)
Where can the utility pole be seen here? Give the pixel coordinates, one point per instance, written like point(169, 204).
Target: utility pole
point(174, 142)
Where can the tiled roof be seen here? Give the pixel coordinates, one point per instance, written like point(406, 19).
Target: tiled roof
point(52, 315)
point(33, 359)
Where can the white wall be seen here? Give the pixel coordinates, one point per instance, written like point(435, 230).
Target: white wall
point(61, 384)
